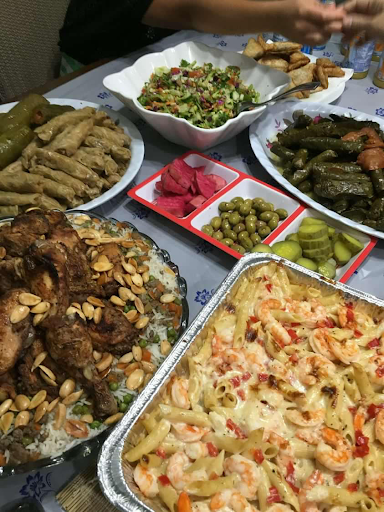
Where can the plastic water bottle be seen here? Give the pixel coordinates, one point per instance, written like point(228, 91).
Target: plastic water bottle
point(322, 46)
point(277, 38)
point(307, 49)
point(358, 57)
point(267, 36)
point(378, 79)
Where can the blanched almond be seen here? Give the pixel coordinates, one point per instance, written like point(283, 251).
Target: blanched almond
point(148, 367)
point(95, 302)
point(128, 244)
point(97, 315)
point(40, 411)
point(37, 399)
point(113, 419)
point(47, 379)
point(141, 269)
point(18, 314)
point(73, 397)
point(95, 276)
point(145, 277)
point(133, 262)
point(135, 379)
point(88, 310)
point(88, 233)
point(92, 242)
point(118, 276)
point(128, 267)
point(165, 347)
point(105, 362)
point(103, 266)
point(53, 404)
point(139, 305)
point(137, 280)
point(103, 259)
point(128, 279)
point(61, 413)
point(137, 353)
point(22, 419)
point(39, 359)
point(67, 387)
point(125, 294)
point(126, 358)
point(80, 219)
point(131, 368)
point(87, 372)
point(117, 301)
point(76, 305)
point(137, 290)
point(97, 355)
point(29, 299)
point(76, 428)
point(37, 319)
point(87, 418)
point(3, 253)
point(22, 402)
point(132, 315)
point(167, 298)
point(6, 421)
point(142, 322)
point(42, 307)
point(4, 407)
point(49, 373)
point(74, 311)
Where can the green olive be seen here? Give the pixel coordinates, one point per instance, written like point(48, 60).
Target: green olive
point(239, 228)
point(226, 207)
point(225, 224)
point(260, 224)
point(247, 244)
point(265, 207)
point(262, 248)
point(250, 218)
point(266, 216)
point(227, 241)
point(234, 218)
point(257, 201)
point(273, 223)
point(271, 207)
point(218, 235)
point(253, 211)
point(207, 229)
point(216, 223)
point(275, 216)
point(229, 233)
point(237, 199)
point(282, 213)
point(251, 227)
point(245, 209)
point(264, 231)
point(249, 201)
point(225, 215)
point(241, 236)
point(256, 239)
point(238, 248)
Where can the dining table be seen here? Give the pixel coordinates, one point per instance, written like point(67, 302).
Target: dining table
point(200, 263)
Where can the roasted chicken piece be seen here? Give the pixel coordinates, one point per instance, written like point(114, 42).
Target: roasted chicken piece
point(69, 343)
point(23, 231)
point(11, 274)
point(32, 382)
point(45, 269)
point(114, 333)
point(14, 337)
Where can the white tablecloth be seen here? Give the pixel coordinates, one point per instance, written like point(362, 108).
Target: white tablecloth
point(203, 266)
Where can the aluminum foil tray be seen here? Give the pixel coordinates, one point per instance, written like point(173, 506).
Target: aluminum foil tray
point(116, 476)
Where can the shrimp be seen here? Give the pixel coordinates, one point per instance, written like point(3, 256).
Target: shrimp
point(224, 330)
point(256, 358)
point(177, 465)
point(313, 368)
point(319, 339)
point(375, 486)
point(309, 435)
point(146, 480)
point(315, 478)
point(249, 474)
point(200, 506)
point(270, 323)
point(334, 452)
point(311, 311)
point(285, 455)
point(229, 359)
point(196, 450)
point(343, 316)
point(347, 350)
point(232, 500)
point(278, 507)
point(379, 426)
point(189, 433)
point(178, 389)
point(306, 418)
point(375, 369)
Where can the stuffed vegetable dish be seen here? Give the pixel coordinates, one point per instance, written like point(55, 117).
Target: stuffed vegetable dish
point(88, 310)
point(338, 162)
point(53, 156)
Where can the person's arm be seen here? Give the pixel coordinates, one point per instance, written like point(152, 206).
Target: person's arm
point(364, 15)
point(305, 21)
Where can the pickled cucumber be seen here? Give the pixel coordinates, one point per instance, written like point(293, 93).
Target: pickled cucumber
point(307, 263)
point(326, 269)
point(351, 243)
point(317, 254)
point(311, 220)
point(341, 253)
point(312, 231)
point(288, 249)
point(293, 236)
point(262, 248)
point(331, 231)
point(316, 243)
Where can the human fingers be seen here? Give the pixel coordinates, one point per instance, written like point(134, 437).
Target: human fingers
point(318, 13)
point(364, 6)
point(356, 23)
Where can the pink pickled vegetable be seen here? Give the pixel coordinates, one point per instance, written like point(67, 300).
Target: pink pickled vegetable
point(204, 185)
point(173, 205)
point(218, 181)
point(170, 185)
point(185, 180)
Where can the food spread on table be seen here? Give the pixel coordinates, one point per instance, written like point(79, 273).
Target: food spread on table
point(287, 57)
point(184, 188)
point(242, 223)
point(336, 161)
point(53, 156)
point(277, 406)
point(88, 310)
point(316, 246)
point(204, 95)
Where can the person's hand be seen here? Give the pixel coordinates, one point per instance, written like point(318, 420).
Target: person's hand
point(364, 16)
point(309, 21)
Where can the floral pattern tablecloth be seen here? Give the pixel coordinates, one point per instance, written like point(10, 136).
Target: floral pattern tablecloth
point(201, 264)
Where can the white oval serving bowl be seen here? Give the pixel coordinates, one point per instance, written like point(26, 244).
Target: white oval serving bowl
point(128, 83)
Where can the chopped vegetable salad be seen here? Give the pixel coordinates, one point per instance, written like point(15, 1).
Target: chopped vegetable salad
point(203, 95)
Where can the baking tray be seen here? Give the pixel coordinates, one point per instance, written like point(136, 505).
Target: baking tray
point(110, 467)
point(241, 184)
